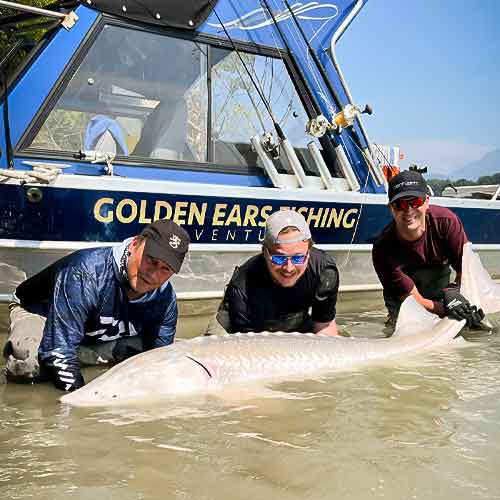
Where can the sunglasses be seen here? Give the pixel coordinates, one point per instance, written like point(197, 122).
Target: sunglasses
point(281, 260)
point(405, 203)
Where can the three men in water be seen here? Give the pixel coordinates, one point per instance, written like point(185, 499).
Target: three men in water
point(99, 305)
point(275, 289)
point(413, 254)
point(103, 305)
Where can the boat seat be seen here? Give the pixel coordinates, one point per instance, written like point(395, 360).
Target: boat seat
point(227, 153)
point(104, 134)
point(164, 134)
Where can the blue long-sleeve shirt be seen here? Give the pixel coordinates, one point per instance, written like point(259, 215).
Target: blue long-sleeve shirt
point(85, 302)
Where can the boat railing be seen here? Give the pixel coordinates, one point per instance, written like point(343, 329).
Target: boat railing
point(478, 192)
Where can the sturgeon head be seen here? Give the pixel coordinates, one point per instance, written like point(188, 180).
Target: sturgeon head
point(154, 374)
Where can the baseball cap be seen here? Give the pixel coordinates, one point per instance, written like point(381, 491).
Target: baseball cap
point(405, 184)
point(167, 241)
point(281, 219)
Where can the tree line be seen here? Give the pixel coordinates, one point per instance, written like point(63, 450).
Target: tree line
point(28, 29)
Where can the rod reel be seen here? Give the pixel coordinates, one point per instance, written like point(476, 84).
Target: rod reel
point(318, 126)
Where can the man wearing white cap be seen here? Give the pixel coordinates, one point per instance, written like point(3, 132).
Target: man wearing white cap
point(275, 290)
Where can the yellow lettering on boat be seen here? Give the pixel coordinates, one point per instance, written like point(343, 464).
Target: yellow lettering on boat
point(99, 216)
point(250, 215)
point(325, 215)
point(265, 212)
point(219, 214)
point(350, 222)
point(234, 216)
point(316, 217)
point(335, 217)
point(142, 213)
point(159, 205)
point(196, 213)
point(123, 206)
point(180, 212)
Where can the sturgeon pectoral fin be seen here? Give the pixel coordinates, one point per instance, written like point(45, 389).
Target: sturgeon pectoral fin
point(414, 319)
point(476, 285)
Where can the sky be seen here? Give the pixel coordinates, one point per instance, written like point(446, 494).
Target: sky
point(431, 71)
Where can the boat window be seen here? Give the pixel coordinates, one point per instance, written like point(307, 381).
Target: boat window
point(146, 95)
point(135, 93)
point(239, 112)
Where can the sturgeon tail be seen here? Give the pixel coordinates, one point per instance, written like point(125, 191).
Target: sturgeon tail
point(477, 285)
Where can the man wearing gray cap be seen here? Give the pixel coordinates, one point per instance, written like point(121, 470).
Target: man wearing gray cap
point(98, 305)
point(275, 290)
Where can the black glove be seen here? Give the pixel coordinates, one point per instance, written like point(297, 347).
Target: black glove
point(456, 306)
point(477, 315)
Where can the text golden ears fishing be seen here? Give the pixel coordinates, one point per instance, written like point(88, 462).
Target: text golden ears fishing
point(214, 218)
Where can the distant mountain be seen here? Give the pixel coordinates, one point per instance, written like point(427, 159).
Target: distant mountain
point(436, 175)
point(487, 165)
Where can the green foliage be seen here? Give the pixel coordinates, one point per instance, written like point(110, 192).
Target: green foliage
point(438, 185)
point(62, 131)
point(30, 34)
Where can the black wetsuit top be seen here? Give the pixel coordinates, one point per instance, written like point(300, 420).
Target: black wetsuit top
point(254, 302)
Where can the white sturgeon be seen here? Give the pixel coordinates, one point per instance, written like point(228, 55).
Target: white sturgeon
point(206, 364)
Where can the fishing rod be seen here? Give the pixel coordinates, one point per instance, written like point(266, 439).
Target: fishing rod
point(266, 142)
point(321, 69)
point(346, 115)
point(313, 106)
point(342, 119)
point(277, 127)
point(285, 43)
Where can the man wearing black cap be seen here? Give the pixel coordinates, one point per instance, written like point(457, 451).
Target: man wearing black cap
point(98, 305)
point(414, 253)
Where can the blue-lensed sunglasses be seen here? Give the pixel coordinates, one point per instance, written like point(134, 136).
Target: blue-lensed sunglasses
point(280, 260)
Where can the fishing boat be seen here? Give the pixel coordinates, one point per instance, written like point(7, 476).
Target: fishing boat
point(211, 113)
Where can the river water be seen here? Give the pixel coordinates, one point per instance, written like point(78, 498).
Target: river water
point(423, 427)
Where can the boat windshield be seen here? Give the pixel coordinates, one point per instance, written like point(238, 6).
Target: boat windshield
point(147, 95)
